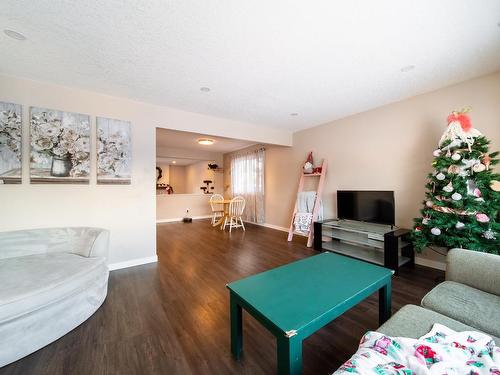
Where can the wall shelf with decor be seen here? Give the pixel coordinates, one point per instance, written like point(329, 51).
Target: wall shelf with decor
point(373, 243)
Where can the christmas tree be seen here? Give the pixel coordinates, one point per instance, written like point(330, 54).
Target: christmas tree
point(462, 206)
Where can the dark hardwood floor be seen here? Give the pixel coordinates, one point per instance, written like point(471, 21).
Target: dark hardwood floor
point(172, 317)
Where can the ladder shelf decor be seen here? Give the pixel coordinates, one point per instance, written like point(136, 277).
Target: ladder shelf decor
point(318, 172)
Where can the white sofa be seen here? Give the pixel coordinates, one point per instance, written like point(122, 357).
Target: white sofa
point(51, 281)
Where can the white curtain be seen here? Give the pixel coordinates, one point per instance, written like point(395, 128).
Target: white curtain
point(247, 180)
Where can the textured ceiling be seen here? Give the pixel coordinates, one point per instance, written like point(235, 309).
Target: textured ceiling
point(262, 59)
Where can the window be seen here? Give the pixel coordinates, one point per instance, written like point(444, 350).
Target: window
point(247, 180)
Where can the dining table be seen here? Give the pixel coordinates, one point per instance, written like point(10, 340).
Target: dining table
point(225, 213)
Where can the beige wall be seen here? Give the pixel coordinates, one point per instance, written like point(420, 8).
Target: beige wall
point(165, 172)
point(177, 178)
point(173, 207)
point(127, 211)
point(385, 148)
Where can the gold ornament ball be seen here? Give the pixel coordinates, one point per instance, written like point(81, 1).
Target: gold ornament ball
point(495, 185)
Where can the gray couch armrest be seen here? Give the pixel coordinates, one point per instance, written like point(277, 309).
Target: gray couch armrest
point(84, 241)
point(475, 269)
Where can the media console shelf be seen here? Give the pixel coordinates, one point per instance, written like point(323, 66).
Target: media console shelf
point(374, 243)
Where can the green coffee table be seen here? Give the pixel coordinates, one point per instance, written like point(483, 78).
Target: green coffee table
point(296, 300)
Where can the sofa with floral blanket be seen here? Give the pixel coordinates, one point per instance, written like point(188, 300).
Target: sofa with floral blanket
point(457, 324)
point(469, 299)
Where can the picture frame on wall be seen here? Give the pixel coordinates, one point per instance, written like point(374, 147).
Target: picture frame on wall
point(114, 151)
point(60, 147)
point(11, 125)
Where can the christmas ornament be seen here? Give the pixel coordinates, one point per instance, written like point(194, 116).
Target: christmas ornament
point(469, 163)
point(456, 156)
point(489, 235)
point(480, 167)
point(482, 218)
point(495, 185)
point(456, 196)
point(436, 231)
point(448, 188)
point(418, 229)
point(459, 130)
point(459, 225)
point(454, 169)
point(471, 187)
point(448, 153)
point(477, 193)
point(308, 165)
point(429, 204)
point(436, 153)
point(486, 161)
point(425, 220)
point(440, 176)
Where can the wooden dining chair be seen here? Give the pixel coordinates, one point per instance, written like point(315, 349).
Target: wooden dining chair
point(217, 208)
point(236, 208)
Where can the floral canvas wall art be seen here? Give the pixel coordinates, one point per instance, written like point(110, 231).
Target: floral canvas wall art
point(60, 147)
point(114, 159)
point(10, 143)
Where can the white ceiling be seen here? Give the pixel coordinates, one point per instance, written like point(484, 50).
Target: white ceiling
point(179, 162)
point(174, 139)
point(262, 59)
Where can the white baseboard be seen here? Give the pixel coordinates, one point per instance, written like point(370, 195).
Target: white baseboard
point(276, 227)
point(177, 219)
point(132, 263)
point(430, 263)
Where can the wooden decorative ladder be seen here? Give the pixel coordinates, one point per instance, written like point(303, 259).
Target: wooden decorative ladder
point(319, 192)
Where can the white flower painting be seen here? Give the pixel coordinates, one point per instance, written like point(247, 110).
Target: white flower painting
point(10, 143)
point(60, 146)
point(114, 159)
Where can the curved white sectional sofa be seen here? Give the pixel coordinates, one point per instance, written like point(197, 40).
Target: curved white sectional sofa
point(51, 281)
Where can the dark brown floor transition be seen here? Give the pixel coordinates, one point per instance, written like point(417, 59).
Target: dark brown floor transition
point(172, 317)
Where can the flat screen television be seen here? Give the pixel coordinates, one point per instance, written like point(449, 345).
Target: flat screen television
point(366, 205)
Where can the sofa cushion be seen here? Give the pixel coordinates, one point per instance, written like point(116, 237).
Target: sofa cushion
point(468, 305)
point(415, 321)
point(31, 282)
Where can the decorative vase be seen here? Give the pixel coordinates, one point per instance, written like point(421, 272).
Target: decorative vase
point(61, 166)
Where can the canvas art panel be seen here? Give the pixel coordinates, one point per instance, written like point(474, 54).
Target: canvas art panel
point(10, 143)
point(60, 147)
point(114, 159)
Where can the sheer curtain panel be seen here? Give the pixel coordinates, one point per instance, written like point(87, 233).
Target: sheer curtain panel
point(247, 180)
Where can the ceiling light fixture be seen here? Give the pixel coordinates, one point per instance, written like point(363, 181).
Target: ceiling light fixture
point(14, 34)
point(294, 114)
point(205, 89)
point(173, 162)
point(205, 141)
point(407, 68)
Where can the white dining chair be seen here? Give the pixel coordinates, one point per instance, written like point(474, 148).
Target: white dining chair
point(236, 208)
point(217, 208)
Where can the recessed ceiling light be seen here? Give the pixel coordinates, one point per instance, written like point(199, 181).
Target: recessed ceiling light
point(205, 141)
point(294, 114)
point(14, 34)
point(173, 162)
point(205, 89)
point(407, 68)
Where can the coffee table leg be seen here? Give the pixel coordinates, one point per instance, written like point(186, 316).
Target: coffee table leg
point(384, 303)
point(236, 327)
point(289, 355)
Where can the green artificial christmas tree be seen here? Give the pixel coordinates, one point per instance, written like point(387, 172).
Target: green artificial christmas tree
point(462, 206)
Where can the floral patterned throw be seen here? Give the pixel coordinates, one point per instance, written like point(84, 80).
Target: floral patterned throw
point(441, 351)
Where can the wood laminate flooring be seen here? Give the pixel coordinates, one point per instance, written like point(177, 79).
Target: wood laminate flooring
point(172, 317)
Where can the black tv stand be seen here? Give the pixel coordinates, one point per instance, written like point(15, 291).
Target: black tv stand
point(384, 245)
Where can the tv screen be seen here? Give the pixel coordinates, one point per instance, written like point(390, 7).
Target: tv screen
point(369, 206)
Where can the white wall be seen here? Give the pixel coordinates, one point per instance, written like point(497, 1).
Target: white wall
point(128, 211)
